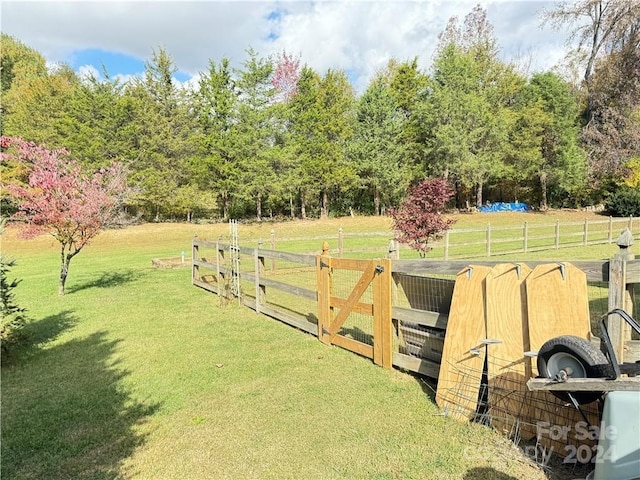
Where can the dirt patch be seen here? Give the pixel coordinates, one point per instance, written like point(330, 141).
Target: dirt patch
point(174, 262)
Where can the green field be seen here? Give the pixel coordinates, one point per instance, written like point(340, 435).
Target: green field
point(137, 374)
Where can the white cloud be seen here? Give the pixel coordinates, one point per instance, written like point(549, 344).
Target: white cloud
point(88, 71)
point(357, 36)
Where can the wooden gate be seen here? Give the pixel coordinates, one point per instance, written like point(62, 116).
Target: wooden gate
point(333, 310)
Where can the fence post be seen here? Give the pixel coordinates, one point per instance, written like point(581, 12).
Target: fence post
point(610, 236)
point(446, 245)
point(619, 294)
point(323, 278)
point(273, 247)
point(525, 237)
point(195, 256)
point(258, 262)
point(488, 239)
point(218, 272)
point(394, 250)
point(585, 232)
point(340, 245)
point(382, 331)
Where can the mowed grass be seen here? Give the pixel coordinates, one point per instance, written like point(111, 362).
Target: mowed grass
point(137, 374)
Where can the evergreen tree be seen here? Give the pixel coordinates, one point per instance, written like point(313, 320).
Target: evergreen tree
point(216, 104)
point(376, 149)
point(12, 316)
point(163, 141)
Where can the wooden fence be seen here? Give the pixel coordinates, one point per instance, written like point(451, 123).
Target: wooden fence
point(393, 311)
point(479, 242)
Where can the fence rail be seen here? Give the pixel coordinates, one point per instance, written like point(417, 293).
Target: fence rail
point(477, 242)
point(306, 291)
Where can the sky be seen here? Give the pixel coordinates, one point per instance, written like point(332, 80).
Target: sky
point(357, 36)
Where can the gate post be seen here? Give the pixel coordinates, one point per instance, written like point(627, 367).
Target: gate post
point(382, 331)
point(619, 294)
point(323, 278)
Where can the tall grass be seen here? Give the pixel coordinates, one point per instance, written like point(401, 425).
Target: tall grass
point(137, 374)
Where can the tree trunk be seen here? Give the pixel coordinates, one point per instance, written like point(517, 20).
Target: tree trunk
point(479, 194)
point(259, 207)
point(292, 207)
point(324, 212)
point(225, 206)
point(376, 201)
point(64, 269)
point(303, 206)
point(543, 191)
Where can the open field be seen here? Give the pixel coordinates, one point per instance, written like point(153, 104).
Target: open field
point(137, 374)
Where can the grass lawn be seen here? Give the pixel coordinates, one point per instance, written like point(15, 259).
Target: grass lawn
point(137, 374)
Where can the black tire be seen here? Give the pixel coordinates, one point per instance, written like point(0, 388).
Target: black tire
point(583, 359)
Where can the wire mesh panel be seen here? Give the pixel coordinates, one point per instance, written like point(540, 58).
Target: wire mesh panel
point(422, 294)
point(359, 322)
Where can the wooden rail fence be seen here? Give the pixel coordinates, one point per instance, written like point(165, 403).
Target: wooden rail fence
point(480, 242)
point(393, 311)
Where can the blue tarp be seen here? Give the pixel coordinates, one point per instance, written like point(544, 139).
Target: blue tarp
point(504, 207)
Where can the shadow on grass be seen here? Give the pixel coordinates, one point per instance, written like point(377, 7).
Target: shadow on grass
point(107, 280)
point(486, 473)
point(36, 333)
point(65, 413)
point(428, 385)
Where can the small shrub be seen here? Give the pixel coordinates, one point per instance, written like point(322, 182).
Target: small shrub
point(11, 315)
point(625, 202)
point(419, 219)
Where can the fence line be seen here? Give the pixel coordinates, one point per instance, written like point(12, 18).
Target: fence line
point(419, 293)
point(483, 242)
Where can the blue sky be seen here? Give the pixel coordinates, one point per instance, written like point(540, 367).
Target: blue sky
point(115, 63)
point(358, 36)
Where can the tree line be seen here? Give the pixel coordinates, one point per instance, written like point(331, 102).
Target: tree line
point(274, 137)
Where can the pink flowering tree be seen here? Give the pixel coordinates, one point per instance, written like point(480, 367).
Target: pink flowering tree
point(59, 198)
point(420, 219)
point(285, 75)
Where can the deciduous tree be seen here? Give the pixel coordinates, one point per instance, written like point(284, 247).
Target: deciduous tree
point(63, 200)
point(420, 219)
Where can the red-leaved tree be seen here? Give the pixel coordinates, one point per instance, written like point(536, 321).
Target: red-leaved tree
point(420, 217)
point(61, 199)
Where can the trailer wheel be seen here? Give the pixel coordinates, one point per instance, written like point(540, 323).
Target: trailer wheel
point(573, 357)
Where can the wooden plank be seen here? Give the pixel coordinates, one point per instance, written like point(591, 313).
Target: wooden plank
point(420, 317)
point(463, 355)
point(284, 287)
point(362, 308)
point(585, 384)
point(633, 271)
point(597, 271)
point(291, 319)
point(382, 333)
point(354, 296)
point(418, 365)
point(557, 304)
point(351, 264)
point(353, 346)
point(323, 272)
point(290, 257)
point(205, 285)
point(506, 312)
